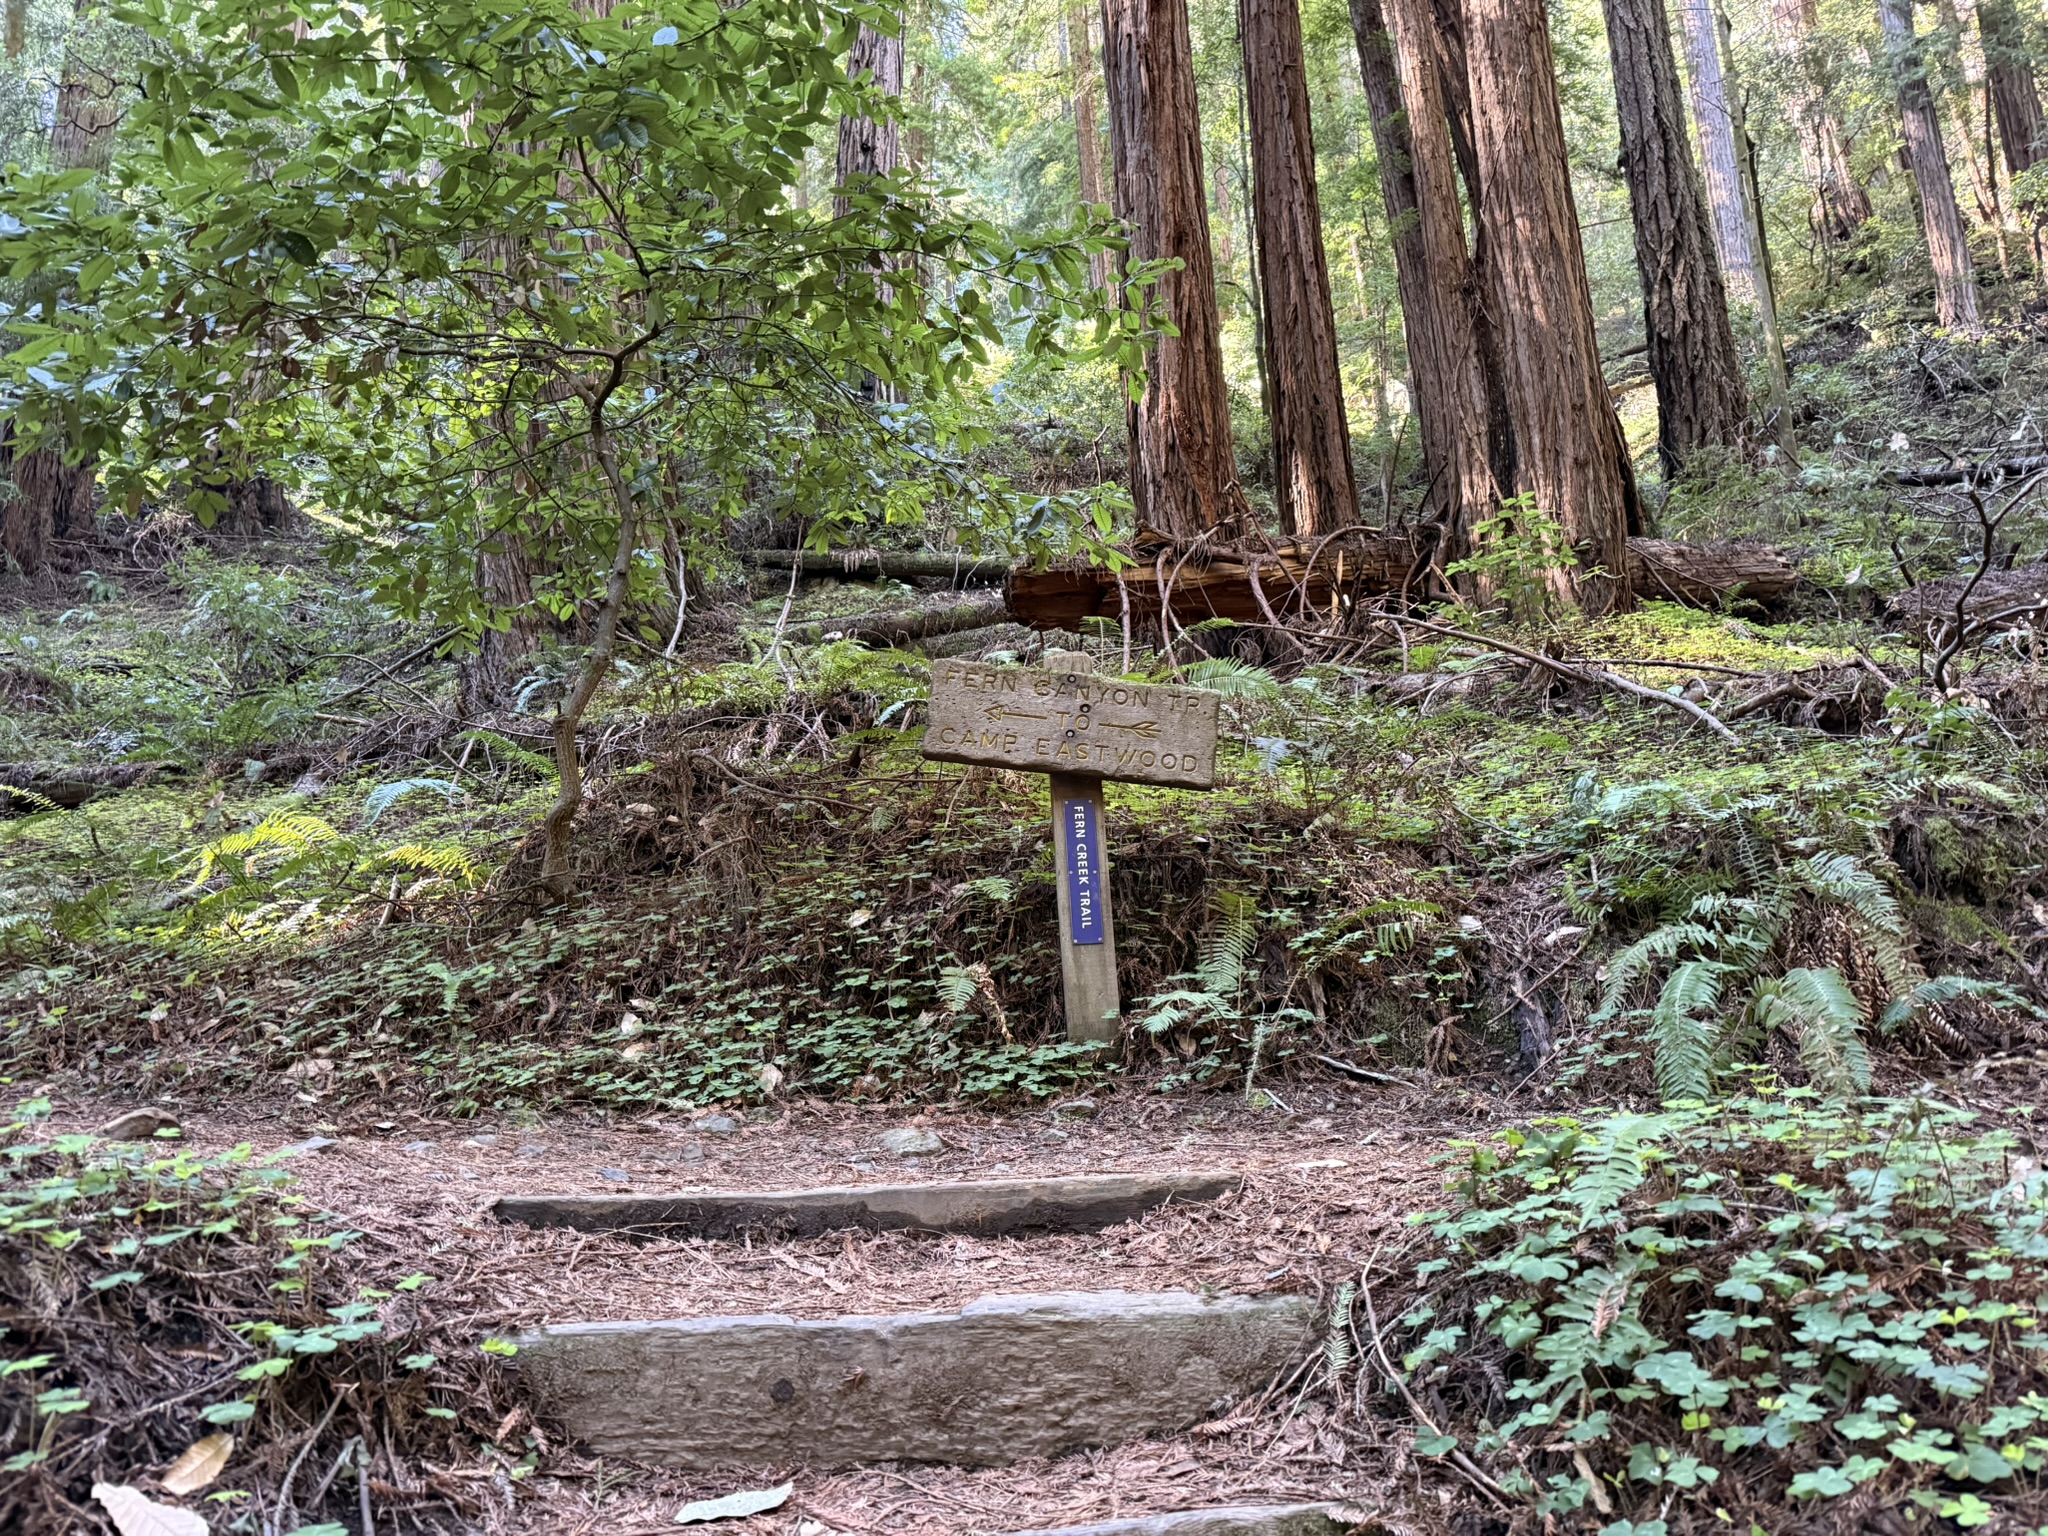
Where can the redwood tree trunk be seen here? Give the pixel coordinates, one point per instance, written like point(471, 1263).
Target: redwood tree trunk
point(1948, 248)
point(1701, 401)
point(51, 498)
point(1432, 264)
point(2015, 99)
point(1311, 436)
point(868, 148)
point(1719, 157)
point(1183, 471)
point(1840, 203)
point(1087, 135)
point(1570, 455)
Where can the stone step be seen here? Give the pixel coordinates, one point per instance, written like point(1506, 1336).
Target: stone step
point(984, 1207)
point(1237, 1520)
point(1004, 1378)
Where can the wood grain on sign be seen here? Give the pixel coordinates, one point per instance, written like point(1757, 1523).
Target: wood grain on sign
point(1071, 723)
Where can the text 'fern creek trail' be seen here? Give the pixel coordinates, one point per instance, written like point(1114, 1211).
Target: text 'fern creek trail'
point(1080, 730)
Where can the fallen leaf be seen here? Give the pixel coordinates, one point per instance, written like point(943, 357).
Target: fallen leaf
point(751, 1502)
point(200, 1465)
point(134, 1515)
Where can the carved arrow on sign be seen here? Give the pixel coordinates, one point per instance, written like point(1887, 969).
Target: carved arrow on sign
point(1001, 712)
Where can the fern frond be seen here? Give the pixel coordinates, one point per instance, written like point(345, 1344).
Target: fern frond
point(1232, 935)
point(1232, 678)
point(511, 752)
point(443, 859)
point(1946, 989)
point(957, 988)
point(1816, 1007)
point(384, 796)
point(1684, 1042)
point(1664, 943)
point(290, 835)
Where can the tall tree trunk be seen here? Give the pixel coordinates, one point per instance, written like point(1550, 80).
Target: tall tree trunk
point(2015, 97)
point(1720, 157)
point(1432, 263)
point(1701, 401)
point(17, 28)
point(1753, 215)
point(1183, 468)
point(1948, 248)
point(50, 497)
point(1311, 437)
point(2015, 108)
point(1570, 454)
point(1841, 205)
point(869, 148)
point(1087, 133)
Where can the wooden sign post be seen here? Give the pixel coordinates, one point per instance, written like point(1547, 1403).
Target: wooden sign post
point(1080, 730)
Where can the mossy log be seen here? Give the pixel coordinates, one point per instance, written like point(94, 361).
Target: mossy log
point(1297, 580)
point(66, 785)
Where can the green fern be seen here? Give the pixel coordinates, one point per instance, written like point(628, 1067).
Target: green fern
point(1232, 678)
point(1683, 1039)
point(1819, 1011)
point(288, 838)
point(384, 796)
point(1232, 935)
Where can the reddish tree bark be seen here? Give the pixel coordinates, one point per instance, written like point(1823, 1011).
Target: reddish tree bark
point(1701, 399)
point(1432, 263)
point(2015, 97)
point(1569, 451)
point(1183, 469)
point(1311, 436)
point(1948, 247)
point(867, 147)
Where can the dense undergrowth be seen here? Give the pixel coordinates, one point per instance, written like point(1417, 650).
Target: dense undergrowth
point(1772, 1313)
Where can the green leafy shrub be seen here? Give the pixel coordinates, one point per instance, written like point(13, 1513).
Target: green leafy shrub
point(1717, 1314)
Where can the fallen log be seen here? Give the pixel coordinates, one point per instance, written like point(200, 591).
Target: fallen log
point(1300, 579)
point(26, 788)
point(878, 565)
point(1987, 472)
point(2021, 594)
point(898, 626)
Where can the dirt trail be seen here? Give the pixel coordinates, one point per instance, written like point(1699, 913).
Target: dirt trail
point(1327, 1184)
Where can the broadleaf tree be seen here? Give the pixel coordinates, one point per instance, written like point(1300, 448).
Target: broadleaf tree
point(472, 274)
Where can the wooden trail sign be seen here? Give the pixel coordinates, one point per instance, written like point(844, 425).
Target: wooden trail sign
point(1079, 729)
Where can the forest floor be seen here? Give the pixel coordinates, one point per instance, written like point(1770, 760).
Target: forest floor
point(1328, 1190)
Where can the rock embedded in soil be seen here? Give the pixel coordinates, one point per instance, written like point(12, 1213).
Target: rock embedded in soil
point(139, 1125)
point(716, 1125)
point(983, 1207)
point(909, 1141)
point(1002, 1379)
point(1237, 1520)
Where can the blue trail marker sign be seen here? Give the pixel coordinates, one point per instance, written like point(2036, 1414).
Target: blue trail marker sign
point(1078, 729)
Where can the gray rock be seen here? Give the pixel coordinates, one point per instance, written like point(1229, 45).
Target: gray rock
point(716, 1125)
point(313, 1144)
point(533, 1149)
point(139, 1125)
point(616, 1175)
point(911, 1141)
point(422, 1146)
point(1002, 1379)
point(1074, 1109)
point(986, 1207)
point(1236, 1520)
point(485, 1140)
